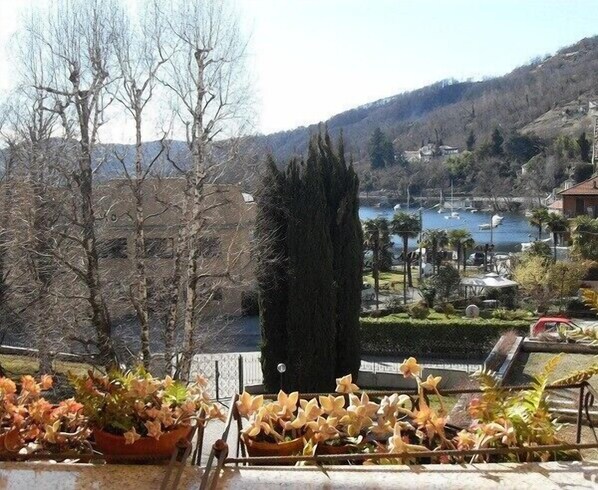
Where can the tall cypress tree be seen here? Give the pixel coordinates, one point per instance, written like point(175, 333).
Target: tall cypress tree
point(322, 265)
point(271, 271)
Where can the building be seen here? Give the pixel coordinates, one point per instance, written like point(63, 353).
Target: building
point(430, 151)
point(581, 199)
point(225, 240)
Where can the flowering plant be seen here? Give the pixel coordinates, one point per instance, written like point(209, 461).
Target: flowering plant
point(400, 423)
point(30, 424)
point(134, 404)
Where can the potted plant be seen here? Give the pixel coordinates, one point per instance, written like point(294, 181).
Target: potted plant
point(274, 429)
point(137, 417)
point(30, 424)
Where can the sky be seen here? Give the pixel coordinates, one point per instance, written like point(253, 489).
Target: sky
point(311, 59)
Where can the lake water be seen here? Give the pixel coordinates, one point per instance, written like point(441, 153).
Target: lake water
point(507, 237)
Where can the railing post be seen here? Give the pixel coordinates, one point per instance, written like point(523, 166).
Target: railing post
point(241, 374)
point(217, 379)
point(580, 412)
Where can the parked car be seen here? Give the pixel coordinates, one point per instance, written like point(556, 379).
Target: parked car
point(552, 328)
point(367, 292)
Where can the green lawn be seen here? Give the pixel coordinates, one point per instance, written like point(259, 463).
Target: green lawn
point(391, 280)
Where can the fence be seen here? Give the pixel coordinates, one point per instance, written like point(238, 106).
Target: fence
point(228, 374)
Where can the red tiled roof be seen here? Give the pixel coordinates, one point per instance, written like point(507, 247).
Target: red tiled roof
point(586, 188)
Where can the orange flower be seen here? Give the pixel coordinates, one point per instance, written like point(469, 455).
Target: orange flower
point(410, 368)
point(248, 404)
point(131, 436)
point(154, 429)
point(7, 386)
point(331, 405)
point(46, 382)
point(29, 385)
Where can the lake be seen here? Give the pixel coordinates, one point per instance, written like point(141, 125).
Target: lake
point(507, 237)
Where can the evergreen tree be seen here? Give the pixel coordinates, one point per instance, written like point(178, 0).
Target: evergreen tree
point(496, 143)
point(321, 269)
point(311, 321)
point(270, 228)
point(585, 147)
point(380, 150)
point(470, 142)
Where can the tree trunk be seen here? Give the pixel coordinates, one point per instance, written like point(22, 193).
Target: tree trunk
point(100, 318)
point(197, 150)
point(376, 273)
point(140, 295)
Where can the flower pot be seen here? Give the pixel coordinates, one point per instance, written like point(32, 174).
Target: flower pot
point(324, 448)
point(144, 450)
point(262, 448)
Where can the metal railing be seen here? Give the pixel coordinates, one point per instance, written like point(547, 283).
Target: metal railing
point(219, 456)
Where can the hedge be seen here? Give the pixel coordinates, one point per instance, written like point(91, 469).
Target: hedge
point(451, 338)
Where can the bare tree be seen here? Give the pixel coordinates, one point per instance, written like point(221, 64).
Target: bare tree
point(141, 52)
point(205, 75)
point(76, 42)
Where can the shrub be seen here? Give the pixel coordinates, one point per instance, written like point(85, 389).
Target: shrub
point(504, 314)
point(429, 294)
point(419, 311)
point(448, 338)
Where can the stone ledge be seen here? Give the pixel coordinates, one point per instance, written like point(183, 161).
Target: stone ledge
point(535, 476)
point(63, 476)
point(544, 476)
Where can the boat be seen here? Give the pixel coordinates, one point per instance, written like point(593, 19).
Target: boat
point(486, 226)
point(397, 207)
point(441, 210)
point(454, 214)
point(497, 220)
point(474, 210)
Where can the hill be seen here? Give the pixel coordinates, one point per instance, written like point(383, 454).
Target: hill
point(543, 97)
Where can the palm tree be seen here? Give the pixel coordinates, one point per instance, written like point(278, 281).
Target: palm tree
point(584, 231)
point(456, 239)
point(376, 239)
point(557, 224)
point(539, 218)
point(467, 244)
point(406, 226)
point(435, 239)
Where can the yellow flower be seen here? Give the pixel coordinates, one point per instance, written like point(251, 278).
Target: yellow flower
point(287, 403)
point(431, 382)
point(131, 436)
point(248, 404)
point(52, 432)
point(465, 440)
point(410, 368)
point(311, 408)
point(324, 428)
point(362, 407)
point(346, 385)
point(332, 405)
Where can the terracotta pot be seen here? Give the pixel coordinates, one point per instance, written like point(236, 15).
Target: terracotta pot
point(260, 448)
point(146, 449)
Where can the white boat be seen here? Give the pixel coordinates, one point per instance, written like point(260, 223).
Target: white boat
point(497, 220)
point(397, 207)
point(486, 226)
point(441, 210)
point(474, 210)
point(454, 214)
